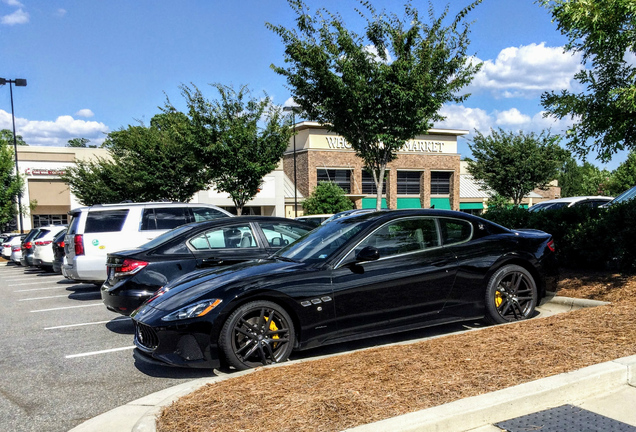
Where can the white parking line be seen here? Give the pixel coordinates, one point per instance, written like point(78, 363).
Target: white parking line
point(56, 296)
point(99, 352)
point(86, 324)
point(31, 283)
point(68, 307)
point(19, 279)
point(40, 289)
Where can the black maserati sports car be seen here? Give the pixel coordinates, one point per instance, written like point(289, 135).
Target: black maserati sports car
point(355, 277)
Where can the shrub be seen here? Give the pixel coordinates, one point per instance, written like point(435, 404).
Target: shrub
point(327, 198)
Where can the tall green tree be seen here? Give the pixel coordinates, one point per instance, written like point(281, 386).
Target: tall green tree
point(6, 137)
point(240, 138)
point(78, 142)
point(604, 32)
point(513, 164)
point(380, 89)
point(11, 185)
point(584, 179)
point(326, 198)
point(623, 177)
point(146, 163)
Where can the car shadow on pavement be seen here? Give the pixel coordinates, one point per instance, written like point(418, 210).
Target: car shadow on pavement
point(121, 325)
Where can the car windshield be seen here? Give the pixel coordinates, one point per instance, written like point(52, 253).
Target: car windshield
point(167, 236)
point(320, 244)
point(625, 196)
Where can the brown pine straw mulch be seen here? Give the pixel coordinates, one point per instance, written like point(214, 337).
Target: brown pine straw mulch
point(363, 387)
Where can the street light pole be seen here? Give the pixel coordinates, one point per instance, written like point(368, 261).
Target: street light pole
point(19, 83)
point(293, 110)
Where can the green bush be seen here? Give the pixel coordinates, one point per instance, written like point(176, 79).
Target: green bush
point(585, 238)
point(327, 198)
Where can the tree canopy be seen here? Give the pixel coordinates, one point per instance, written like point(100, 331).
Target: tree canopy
point(78, 142)
point(6, 136)
point(380, 89)
point(513, 164)
point(581, 180)
point(147, 163)
point(241, 139)
point(605, 111)
point(623, 177)
point(326, 198)
point(11, 185)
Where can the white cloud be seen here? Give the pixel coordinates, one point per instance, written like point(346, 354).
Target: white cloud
point(461, 117)
point(511, 117)
point(85, 113)
point(55, 133)
point(60, 12)
point(17, 17)
point(15, 3)
point(527, 71)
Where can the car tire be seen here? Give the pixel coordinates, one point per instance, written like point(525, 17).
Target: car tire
point(257, 334)
point(511, 295)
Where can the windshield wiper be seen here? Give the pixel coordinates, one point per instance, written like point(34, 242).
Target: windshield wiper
point(282, 258)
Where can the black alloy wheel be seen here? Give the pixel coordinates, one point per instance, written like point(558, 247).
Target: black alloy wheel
point(256, 334)
point(511, 295)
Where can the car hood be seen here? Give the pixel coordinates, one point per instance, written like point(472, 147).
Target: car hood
point(204, 284)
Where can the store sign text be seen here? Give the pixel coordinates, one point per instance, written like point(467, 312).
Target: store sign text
point(411, 146)
point(39, 171)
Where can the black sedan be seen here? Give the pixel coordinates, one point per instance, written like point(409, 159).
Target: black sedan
point(134, 275)
point(352, 278)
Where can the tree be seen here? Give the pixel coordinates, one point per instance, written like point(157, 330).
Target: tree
point(152, 163)
point(512, 164)
point(11, 184)
point(326, 198)
point(78, 142)
point(6, 137)
point(605, 112)
point(380, 90)
point(240, 138)
point(623, 177)
point(580, 180)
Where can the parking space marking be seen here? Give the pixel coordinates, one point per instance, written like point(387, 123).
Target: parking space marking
point(20, 279)
point(57, 296)
point(86, 324)
point(69, 307)
point(40, 289)
point(31, 283)
point(99, 352)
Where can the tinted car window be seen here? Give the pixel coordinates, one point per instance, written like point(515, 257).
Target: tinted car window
point(225, 238)
point(105, 221)
point(281, 234)
point(205, 213)
point(455, 230)
point(163, 218)
point(75, 218)
point(403, 236)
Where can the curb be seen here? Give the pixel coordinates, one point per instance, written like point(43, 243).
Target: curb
point(522, 399)
point(140, 415)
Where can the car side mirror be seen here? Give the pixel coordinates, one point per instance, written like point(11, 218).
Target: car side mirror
point(368, 253)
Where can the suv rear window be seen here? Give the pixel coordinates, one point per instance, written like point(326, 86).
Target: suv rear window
point(105, 221)
point(163, 218)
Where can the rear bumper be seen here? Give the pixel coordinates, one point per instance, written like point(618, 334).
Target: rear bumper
point(88, 269)
point(123, 301)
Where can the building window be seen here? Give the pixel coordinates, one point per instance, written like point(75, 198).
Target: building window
point(408, 182)
point(45, 220)
point(440, 183)
point(368, 184)
point(340, 177)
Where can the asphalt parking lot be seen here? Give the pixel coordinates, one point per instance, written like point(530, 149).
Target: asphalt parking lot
point(65, 357)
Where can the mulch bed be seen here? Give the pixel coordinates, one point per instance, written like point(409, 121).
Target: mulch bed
point(349, 390)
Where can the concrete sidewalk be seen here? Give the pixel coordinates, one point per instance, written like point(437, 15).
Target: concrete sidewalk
point(608, 389)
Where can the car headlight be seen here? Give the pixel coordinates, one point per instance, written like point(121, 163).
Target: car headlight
point(194, 310)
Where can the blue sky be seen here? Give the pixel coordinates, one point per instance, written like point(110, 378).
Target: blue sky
point(97, 66)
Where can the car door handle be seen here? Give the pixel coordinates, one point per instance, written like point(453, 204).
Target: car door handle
point(210, 261)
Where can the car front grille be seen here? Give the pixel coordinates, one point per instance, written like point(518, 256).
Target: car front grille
point(145, 336)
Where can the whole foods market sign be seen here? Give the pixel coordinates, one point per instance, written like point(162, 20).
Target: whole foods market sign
point(412, 146)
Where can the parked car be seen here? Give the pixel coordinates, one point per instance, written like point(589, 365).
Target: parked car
point(578, 201)
point(26, 257)
point(623, 197)
point(313, 220)
point(347, 213)
point(58, 252)
point(134, 275)
point(43, 247)
point(94, 231)
point(16, 253)
point(355, 277)
point(10, 241)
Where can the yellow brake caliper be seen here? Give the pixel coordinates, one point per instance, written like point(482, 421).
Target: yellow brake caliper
point(272, 327)
point(498, 298)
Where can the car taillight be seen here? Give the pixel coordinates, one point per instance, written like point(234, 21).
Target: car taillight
point(15, 248)
point(551, 245)
point(60, 244)
point(27, 245)
point(43, 243)
point(129, 267)
point(79, 244)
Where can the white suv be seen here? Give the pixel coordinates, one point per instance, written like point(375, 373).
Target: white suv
point(97, 230)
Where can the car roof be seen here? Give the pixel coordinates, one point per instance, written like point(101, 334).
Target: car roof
point(577, 199)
